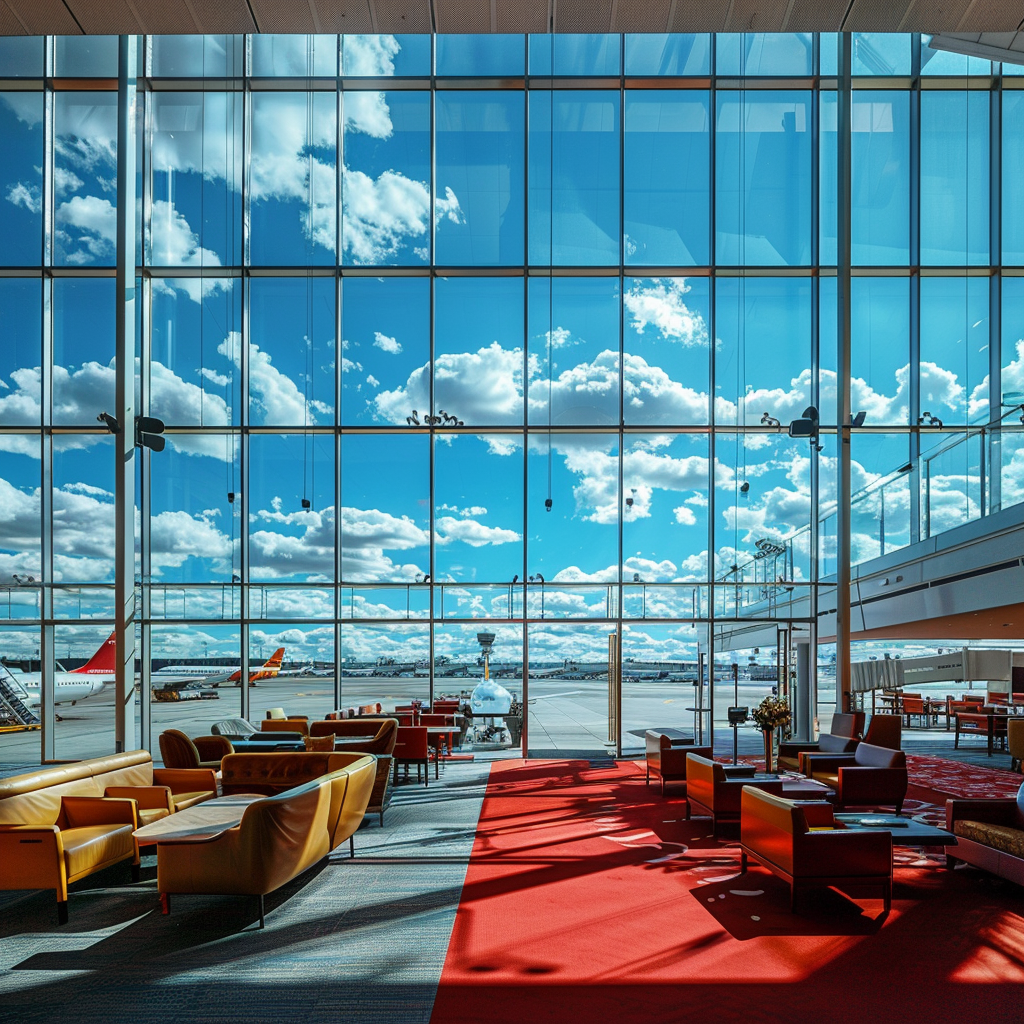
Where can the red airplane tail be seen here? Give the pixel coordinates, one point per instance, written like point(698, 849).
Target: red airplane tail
point(103, 662)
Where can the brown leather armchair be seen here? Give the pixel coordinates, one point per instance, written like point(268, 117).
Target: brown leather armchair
point(843, 737)
point(368, 735)
point(711, 793)
point(666, 758)
point(990, 835)
point(289, 725)
point(777, 833)
point(178, 751)
point(869, 776)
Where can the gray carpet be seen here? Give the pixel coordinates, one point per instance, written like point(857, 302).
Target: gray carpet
point(359, 941)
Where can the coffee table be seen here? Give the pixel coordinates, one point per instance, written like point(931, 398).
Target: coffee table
point(904, 831)
point(198, 823)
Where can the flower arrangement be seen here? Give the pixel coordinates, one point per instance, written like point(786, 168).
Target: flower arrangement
point(771, 713)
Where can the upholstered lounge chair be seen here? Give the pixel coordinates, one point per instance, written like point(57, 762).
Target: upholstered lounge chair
point(711, 793)
point(842, 738)
point(866, 778)
point(179, 751)
point(799, 842)
point(666, 758)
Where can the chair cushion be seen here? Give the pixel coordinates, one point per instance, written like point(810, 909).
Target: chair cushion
point(999, 837)
point(86, 848)
point(148, 814)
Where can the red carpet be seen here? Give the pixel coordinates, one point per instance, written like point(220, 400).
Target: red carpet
point(589, 898)
point(956, 778)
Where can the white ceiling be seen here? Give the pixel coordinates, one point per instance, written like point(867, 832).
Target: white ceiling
point(116, 17)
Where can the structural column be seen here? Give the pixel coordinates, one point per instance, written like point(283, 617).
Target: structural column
point(843, 198)
point(124, 439)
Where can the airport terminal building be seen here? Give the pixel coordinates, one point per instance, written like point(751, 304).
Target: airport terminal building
point(639, 363)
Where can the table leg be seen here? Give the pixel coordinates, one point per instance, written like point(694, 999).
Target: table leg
point(165, 903)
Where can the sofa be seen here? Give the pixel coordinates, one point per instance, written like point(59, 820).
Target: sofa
point(666, 757)
point(366, 735)
point(866, 778)
point(711, 793)
point(293, 726)
point(843, 737)
point(244, 736)
point(989, 834)
point(58, 825)
point(800, 843)
point(278, 838)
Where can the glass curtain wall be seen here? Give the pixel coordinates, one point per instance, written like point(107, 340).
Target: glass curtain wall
point(517, 340)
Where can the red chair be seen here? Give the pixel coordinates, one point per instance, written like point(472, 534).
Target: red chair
point(411, 747)
point(438, 741)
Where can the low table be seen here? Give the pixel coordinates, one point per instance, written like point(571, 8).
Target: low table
point(904, 831)
point(198, 823)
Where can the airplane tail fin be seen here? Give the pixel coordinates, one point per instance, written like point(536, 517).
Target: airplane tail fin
point(103, 662)
point(274, 661)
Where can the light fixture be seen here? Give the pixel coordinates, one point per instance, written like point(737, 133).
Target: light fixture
point(926, 419)
point(806, 425)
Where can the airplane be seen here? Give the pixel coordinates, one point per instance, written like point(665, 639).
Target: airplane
point(74, 685)
point(218, 675)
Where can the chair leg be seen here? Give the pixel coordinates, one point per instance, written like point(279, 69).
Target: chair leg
point(351, 847)
point(887, 895)
point(950, 862)
point(648, 780)
point(62, 911)
point(262, 912)
point(136, 872)
point(165, 903)
point(426, 773)
point(743, 862)
point(381, 819)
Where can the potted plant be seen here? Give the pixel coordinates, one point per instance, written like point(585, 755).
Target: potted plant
point(771, 714)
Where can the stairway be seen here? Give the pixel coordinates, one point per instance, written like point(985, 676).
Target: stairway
point(12, 700)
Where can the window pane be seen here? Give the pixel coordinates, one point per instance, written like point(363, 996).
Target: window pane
point(288, 539)
point(83, 508)
point(763, 178)
point(574, 175)
point(83, 349)
point(20, 535)
point(942, 62)
point(385, 351)
point(954, 177)
point(763, 353)
point(954, 348)
point(385, 516)
point(764, 53)
point(292, 179)
point(291, 351)
point(574, 350)
point(21, 57)
point(478, 512)
point(196, 205)
point(665, 508)
point(21, 160)
point(667, 174)
point(1013, 341)
point(677, 53)
point(576, 540)
point(195, 56)
point(85, 167)
point(385, 56)
point(480, 169)
point(1013, 182)
point(666, 345)
point(295, 56)
point(386, 179)
point(85, 56)
point(478, 349)
point(880, 350)
point(196, 351)
point(491, 56)
point(574, 54)
point(20, 328)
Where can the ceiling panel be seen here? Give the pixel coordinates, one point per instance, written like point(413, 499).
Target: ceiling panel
point(583, 15)
point(344, 16)
point(223, 16)
point(399, 16)
point(925, 16)
point(522, 15)
point(460, 16)
point(641, 15)
point(698, 16)
point(105, 17)
point(815, 15)
point(273, 16)
point(43, 17)
point(165, 17)
point(9, 24)
point(875, 16)
point(756, 15)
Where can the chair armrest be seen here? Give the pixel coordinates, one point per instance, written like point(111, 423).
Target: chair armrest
point(817, 813)
point(846, 852)
point(826, 762)
point(186, 780)
point(992, 812)
point(790, 748)
point(33, 858)
point(82, 811)
point(150, 798)
point(212, 748)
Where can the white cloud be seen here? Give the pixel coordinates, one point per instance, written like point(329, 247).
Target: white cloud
point(175, 244)
point(661, 305)
point(96, 219)
point(471, 532)
point(370, 56)
point(29, 196)
point(368, 112)
point(386, 344)
point(379, 215)
point(684, 515)
point(448, 208)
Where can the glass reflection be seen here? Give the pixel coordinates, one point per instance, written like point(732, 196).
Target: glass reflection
point(21, 161)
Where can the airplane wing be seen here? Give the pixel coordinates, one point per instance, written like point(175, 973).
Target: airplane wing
point(548, 696)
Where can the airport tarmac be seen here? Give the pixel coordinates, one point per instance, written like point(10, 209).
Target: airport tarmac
point(566, 716)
